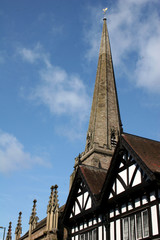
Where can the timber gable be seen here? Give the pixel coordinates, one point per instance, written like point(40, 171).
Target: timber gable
point(131, 193)
point(84, 194)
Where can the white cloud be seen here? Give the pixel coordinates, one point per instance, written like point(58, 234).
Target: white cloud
point(61, 92)
point(34, 55)
point(134, 31)
point(13, 156)
point(92, 32)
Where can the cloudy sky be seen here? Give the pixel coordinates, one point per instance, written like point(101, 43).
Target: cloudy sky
point(48, 60)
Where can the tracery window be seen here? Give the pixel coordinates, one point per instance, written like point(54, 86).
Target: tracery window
point(136, 226)
point(90, 235)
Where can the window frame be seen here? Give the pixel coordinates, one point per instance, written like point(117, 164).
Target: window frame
point(141, 221)
point(83, 235)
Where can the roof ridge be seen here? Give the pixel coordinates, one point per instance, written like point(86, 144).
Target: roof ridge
point(149, 139)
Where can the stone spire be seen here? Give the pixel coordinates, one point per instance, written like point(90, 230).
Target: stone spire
point(9, 233)
point(33, 219)
point(18, 230)
point(105, 124)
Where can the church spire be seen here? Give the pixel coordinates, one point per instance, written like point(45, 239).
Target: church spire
point(105, 123)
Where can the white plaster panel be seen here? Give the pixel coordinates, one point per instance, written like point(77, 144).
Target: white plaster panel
point(111, 213)
point(117, 211)
point(131, 171)
point(72, 230)
point(113, 187)
point(71, 215)
point(121, 165)
point(81, 226)
point(154, 220)
point(85, 225)
point(94, 221)
point(90, 222)
point(111, 195)
point(123, 175)
point(144, 200)
point(100, 232)
point(80, 198)
point(85, 197)
point(152, 196)
point(112, 231)
point(89, 203)
point(124, 209)
point(77, 210)
point(137, 202)
point(72, 238)
point(104, 232)
point(137, 179)
point(118, 230)
point(130, 207)
point(120, 188)
point(100, 218)
point(124, 157)
point(76, 237)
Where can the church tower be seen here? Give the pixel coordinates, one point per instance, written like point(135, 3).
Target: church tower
point(105, 124)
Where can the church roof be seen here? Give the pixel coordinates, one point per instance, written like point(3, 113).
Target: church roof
point(148, 150)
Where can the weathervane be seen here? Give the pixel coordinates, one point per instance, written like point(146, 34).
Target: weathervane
point(104, 12)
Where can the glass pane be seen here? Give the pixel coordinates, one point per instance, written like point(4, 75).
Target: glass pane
point(139, 225)
point(94, 234)
point(145, 224)
point(132, 228)
point(82, 237)
point(90, 235)
point(86, 236)
point(125, 229)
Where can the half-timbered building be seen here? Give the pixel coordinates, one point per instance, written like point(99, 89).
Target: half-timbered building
point(122, 203)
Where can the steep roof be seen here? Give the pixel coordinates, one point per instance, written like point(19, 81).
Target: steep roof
point(94, 177)
point(146, 153)
point(148, 150)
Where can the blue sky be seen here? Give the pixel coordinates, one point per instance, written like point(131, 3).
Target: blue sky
point(48, 61)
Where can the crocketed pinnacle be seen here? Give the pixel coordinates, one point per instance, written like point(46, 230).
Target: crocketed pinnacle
point(55, 198)
point(50, 203)
point(9, 233)
point(33, 217)
point(18, 229)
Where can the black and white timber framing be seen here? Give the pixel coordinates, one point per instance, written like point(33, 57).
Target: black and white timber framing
point(127, 207)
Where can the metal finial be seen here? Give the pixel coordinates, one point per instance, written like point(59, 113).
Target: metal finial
point(104, 12)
